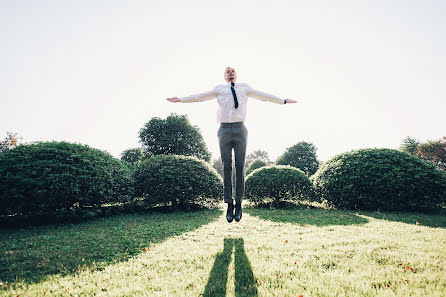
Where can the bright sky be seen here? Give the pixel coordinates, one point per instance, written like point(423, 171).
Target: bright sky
point(366, 73)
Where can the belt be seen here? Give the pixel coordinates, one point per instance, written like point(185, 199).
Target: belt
point(230, 125)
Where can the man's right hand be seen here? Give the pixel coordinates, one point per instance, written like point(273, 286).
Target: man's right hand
point(174, 99)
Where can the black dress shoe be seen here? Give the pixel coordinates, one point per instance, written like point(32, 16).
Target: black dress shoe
point(238, 212)
point(230, 212)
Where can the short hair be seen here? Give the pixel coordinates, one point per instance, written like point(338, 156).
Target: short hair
point(228, 68)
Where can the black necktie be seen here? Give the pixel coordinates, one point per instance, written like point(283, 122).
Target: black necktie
point(234, 95)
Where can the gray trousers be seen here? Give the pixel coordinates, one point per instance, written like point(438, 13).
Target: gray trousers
point(233, 136)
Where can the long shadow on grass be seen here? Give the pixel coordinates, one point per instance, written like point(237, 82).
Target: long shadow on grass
point(305, 215)
point(437, 219)
point(245, 284)
point(31, 254)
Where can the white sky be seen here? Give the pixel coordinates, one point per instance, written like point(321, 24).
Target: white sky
point(366, 73)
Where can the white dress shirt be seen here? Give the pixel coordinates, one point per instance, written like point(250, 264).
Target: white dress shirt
point(227, 113)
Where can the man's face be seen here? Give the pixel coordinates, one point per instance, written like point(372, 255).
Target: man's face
point(230, 75)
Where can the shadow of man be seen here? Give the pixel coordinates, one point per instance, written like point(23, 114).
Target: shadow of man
point(245, 284)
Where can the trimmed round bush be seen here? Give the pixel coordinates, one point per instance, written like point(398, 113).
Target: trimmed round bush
point(380, 179)
point(177, 181)
point(276, 183)
point(57, 178)
point(257, 163)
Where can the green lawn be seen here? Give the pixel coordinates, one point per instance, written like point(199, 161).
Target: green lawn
point(292, 251)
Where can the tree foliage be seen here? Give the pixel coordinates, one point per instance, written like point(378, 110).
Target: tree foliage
point(132, 156)
point(11, 141)
point(257, 154)
point(410, 146)
point(434, 152)
point(301, 155)
point(174, 135)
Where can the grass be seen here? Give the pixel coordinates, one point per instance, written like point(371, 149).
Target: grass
point(30, 255)
point(292, 251)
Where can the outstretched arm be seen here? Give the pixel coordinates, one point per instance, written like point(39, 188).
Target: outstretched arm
point(195, 98)
point(174, 99)
point(267, 97)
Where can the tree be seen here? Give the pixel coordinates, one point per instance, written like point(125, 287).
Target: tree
point(301, 155)
point(132, 156)
point(174, 135)
point(434, 152)
point(410, 146)
point(257, 154)
point(11, 141)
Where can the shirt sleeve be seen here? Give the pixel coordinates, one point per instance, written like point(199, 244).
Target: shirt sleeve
point(200, 97)
point(263, 96)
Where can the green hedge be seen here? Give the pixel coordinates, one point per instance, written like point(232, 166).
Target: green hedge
point(177, 181)
point(383, 179)
point(276, 183)
point(61, 178)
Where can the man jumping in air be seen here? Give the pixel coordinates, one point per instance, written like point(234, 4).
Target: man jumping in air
point(232, 134)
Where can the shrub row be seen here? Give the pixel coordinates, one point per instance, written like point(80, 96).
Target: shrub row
point(60, 179)
point(367, 179)
point(51, 178)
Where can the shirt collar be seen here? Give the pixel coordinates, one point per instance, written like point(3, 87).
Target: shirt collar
point(229, 83)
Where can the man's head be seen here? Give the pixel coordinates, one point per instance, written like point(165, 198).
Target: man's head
point(230, 74)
